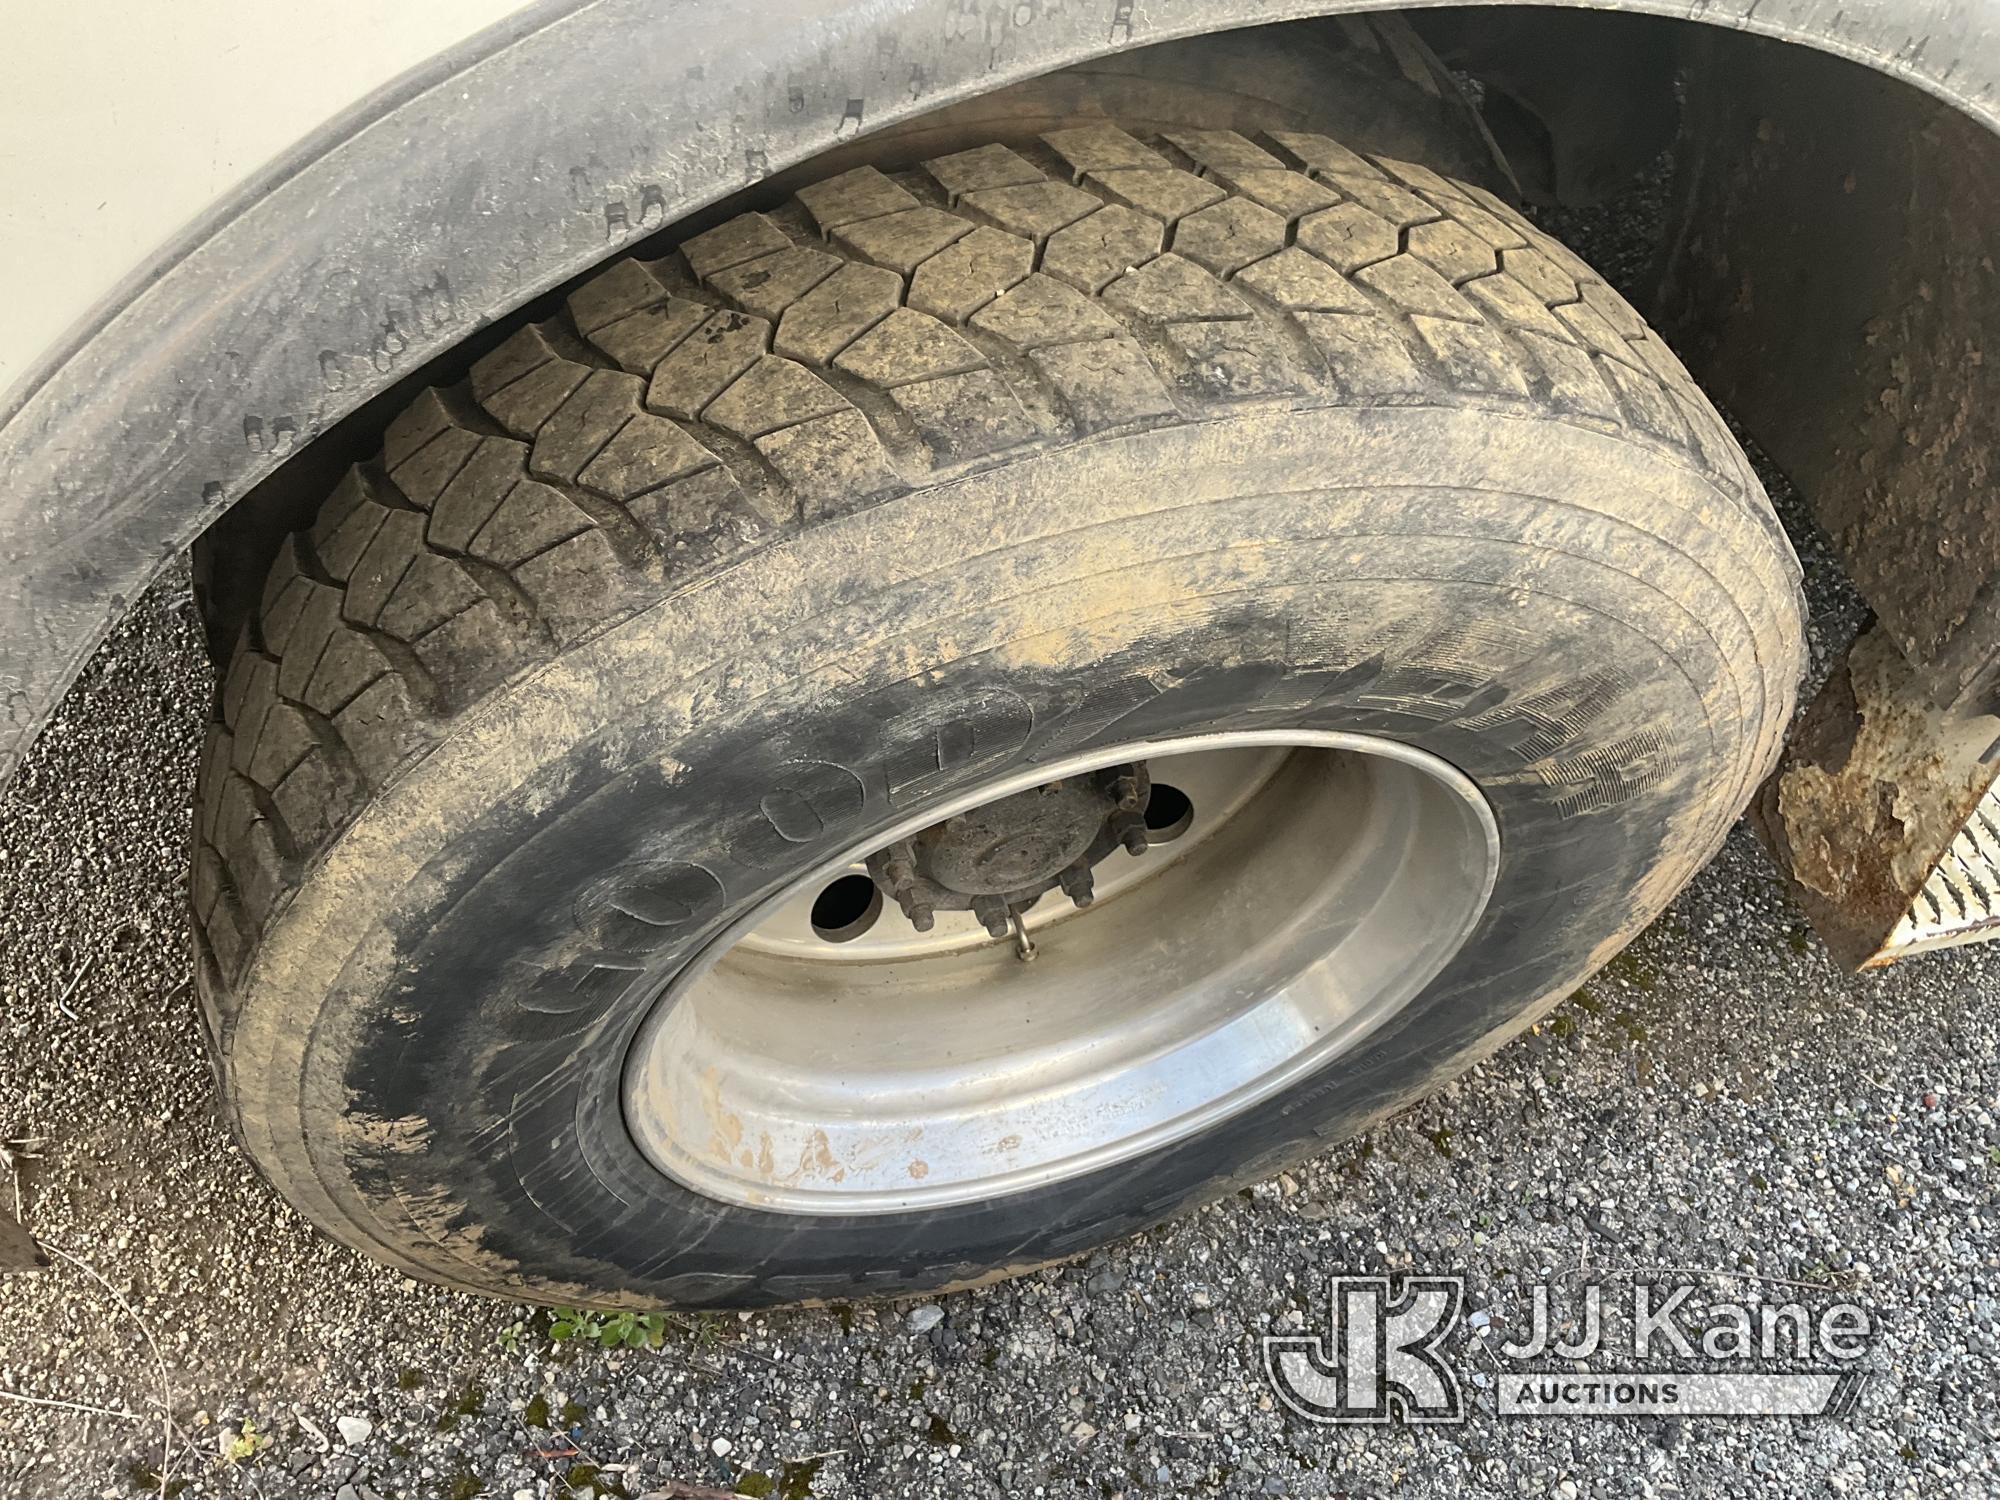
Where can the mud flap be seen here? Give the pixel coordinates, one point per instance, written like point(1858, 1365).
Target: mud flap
point(1885, 814)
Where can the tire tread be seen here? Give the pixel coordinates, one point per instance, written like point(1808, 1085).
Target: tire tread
point(879, 333)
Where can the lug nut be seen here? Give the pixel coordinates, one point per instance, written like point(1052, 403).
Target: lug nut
point(1078, 885)
point(918, 911)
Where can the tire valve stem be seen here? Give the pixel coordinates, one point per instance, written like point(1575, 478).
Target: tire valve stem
point(1024, 946)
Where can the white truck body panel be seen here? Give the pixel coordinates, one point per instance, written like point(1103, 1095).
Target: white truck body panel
point(122, 122)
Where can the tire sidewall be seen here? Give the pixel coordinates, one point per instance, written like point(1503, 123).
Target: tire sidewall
point(480, 1023)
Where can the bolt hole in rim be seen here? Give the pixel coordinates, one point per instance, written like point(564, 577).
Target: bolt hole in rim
point(843, 1064)
point(1169, 814)
point(845, 908)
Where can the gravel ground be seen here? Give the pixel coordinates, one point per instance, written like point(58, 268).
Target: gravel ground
point(1720, 1097)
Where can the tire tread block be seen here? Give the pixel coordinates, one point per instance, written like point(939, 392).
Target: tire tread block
point(792, 367)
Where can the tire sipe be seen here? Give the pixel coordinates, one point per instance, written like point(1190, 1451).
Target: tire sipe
point(917, 491)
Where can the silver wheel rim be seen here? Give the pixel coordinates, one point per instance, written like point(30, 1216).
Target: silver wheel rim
point(1322, 881)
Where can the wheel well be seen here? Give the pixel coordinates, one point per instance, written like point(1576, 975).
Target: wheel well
point(222, 379)
point(1787, 329)
point(1393, 95)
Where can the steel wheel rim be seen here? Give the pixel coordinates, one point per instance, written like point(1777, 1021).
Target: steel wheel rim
point(1315, 907)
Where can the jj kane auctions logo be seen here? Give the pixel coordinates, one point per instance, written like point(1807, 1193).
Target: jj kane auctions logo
point(1384, 1356)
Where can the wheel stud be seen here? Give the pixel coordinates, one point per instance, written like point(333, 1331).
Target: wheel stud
point(997, 860)
point(1078, 885)
point(993, 914)
point(1133, 836)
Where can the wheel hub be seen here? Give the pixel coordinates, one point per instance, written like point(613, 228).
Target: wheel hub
point(1293, 890)
point(997, 860)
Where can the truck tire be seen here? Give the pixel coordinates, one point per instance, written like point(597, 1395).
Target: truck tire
point(642, 845)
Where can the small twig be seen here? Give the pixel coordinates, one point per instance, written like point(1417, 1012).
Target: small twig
point(1628, 1272)
point(317, 1432)
point(241, 1469)
point(166, 1383)
point(83, 1406)
point(725, 1347)
point(62, 1001)
point(573, 1443)
point(1806, 1286)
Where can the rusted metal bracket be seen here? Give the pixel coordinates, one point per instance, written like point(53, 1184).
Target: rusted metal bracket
point(1885, 813)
